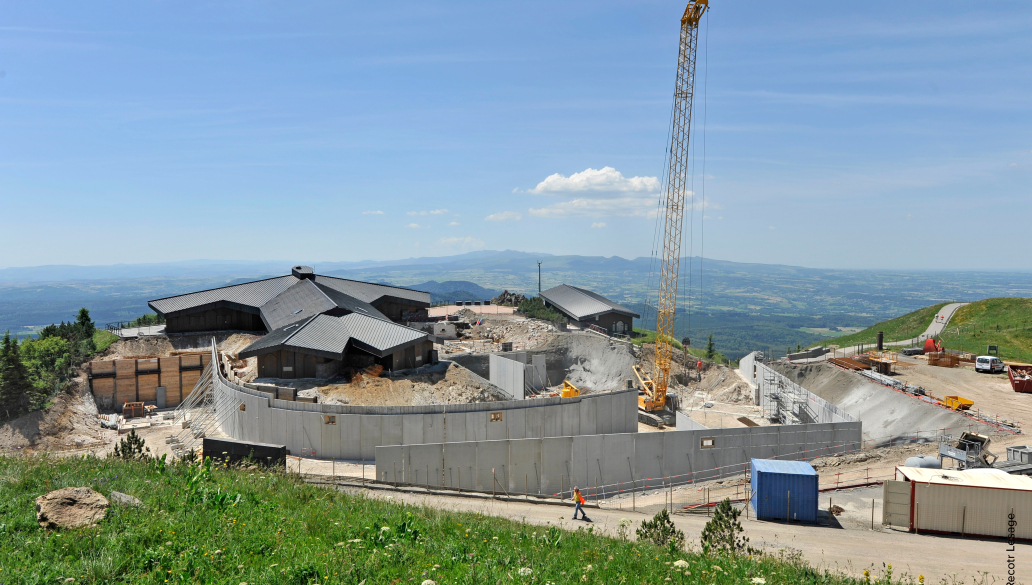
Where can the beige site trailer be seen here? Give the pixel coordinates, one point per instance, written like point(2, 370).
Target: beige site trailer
point(984, 502)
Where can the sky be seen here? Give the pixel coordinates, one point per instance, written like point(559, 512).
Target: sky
point(826, 134)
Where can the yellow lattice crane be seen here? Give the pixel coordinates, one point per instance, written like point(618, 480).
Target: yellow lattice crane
point(653, 397)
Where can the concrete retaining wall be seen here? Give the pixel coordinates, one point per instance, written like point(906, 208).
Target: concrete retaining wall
point(612, 461)
point(784, 399)
point(353, 432)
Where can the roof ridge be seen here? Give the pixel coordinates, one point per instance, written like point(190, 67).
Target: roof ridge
point(300, 327)
point(226, 286)
point(373, 283)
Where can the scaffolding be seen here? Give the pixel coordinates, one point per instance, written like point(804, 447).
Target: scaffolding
point(204, 410)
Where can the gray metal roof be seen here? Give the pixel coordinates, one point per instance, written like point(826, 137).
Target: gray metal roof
point(302, 300)
point(374, 293)
point(581, 304)
point(328, 336)
point(249, 294)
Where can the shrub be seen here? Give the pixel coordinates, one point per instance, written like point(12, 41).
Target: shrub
point(661, 531)
point(132, 447)
point(724, 533)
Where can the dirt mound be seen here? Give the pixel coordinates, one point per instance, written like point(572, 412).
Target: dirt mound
point(70, 422)
point(164, 345)
point(444, 383)
point(590, 362)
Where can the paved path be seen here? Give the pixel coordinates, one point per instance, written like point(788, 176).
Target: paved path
point(941, 320)
point(837, 549)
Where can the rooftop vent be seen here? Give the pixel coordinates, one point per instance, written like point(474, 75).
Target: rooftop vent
point(302, 272)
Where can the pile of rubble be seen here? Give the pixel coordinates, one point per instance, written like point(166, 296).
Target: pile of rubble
point(508, 299)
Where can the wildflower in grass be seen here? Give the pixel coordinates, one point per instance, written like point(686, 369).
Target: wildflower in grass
point(717, 568)
point(428, 582)
point(525, 571)
point(681, 564)
point(920, 579)
point(759, 580)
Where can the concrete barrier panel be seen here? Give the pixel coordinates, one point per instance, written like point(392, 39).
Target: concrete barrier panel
point(389, 462)
point(555, 458)
point(460, 461)
point(648, 458)
point(516, 423)
point(433, 428)
point(411, 429)
point(455, 427)
point(371, 431)
point(617, 463)
point(423, 462)
point(525, 457)
point(491, 455)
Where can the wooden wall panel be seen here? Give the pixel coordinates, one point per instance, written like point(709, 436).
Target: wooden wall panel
point(102, 367)
point(147, 387)
point(189, 361)
point(125, 368)
point(104, 388)
point(125, 391)
point(189, 379)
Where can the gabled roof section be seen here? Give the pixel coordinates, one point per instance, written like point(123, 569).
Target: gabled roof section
point(249, 294)
point(374, 293)
point(380, 336)
point(302, 300)
point(328, 336)
point(582, 304)
point(277, 299)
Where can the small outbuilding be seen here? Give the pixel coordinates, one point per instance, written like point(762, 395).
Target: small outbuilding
point(976, 502)
point(784, 490)
point(584, 308)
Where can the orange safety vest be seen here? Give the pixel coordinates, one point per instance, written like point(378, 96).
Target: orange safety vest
point(580, 498)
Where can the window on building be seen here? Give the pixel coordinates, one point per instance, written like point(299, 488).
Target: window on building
point(708, 442)
point(243, 406)
point(496, 417)
point(330, 419)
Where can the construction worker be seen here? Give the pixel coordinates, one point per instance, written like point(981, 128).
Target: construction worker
point(578, 499)
point(698, 366)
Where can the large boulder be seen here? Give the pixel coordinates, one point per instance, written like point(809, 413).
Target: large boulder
point(71, 507)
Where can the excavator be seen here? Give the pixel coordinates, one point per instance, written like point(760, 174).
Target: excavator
point(654, 406)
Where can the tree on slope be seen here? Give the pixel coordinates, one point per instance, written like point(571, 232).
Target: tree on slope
point(13, 379)
point(710, 350)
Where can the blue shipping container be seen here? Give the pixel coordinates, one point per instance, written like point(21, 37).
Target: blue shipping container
point(784, 490)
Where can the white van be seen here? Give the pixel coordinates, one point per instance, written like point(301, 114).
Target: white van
point(988, 363)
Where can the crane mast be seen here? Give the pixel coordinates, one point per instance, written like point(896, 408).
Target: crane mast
point(655, 390)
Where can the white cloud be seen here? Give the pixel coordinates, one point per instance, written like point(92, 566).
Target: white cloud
point(372, 212)
point(431, 212)
point(454, 223)
point(625, 206)
point(466, 243)
point(504, 216)
point(438, 211)
point(599, 224)
point(604, 180)
point(414, 226)
point(772, 228)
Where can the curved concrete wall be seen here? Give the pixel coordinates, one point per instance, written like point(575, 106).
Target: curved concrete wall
point(328, 431)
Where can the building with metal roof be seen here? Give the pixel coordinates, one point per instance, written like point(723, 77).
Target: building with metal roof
point(584, 307)
point(266, 305)
point(316, 324)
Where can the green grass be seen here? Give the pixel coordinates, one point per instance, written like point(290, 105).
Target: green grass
point(103, 339)
point(904, 327)
point(1006, 322)
point(642, 336)
point(281, 531)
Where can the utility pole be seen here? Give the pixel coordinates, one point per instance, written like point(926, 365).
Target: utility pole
point(539, 278)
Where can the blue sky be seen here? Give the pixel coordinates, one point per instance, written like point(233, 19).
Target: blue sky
point(856, 135)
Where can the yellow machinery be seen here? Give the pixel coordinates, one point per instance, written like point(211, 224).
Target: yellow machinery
point(653, 396)
point(959, 403)
point(569, 390)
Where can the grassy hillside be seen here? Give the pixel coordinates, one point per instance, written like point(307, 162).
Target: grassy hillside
point(904, 327)
point(230, 527)
point(648, 336)
point(1006, 322)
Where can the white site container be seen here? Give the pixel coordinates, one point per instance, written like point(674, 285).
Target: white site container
point(971, 503)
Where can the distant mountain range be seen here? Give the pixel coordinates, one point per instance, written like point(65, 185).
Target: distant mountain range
point(454, 290)
point(745, 306)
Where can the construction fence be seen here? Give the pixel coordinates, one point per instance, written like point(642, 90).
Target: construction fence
point(353, 432)
point(610, 464)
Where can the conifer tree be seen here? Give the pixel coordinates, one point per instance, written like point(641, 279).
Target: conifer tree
point(13, 378)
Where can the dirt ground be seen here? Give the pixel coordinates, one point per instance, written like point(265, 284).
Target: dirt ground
point(69, 423)
point(162, 345)
point(992, 393)
point(444, 383)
